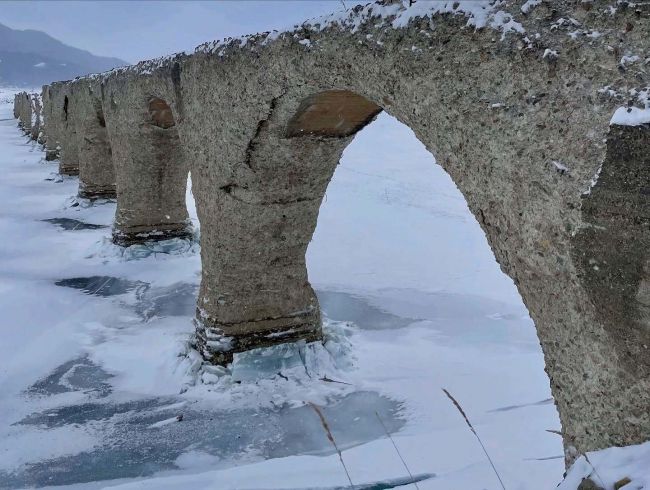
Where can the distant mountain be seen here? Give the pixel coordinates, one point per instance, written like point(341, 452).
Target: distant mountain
point(32, 58)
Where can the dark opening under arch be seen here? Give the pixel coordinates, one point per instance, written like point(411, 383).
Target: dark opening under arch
point(332, 113)
point(160, 113)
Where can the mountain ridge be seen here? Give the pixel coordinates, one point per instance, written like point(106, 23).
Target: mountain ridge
point(31, 58)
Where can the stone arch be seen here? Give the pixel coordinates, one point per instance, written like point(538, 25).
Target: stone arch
point(256, 235)
point(37, 115)
point(151, 168)
point(332, 113)
point(161, 114)
point(522, 137)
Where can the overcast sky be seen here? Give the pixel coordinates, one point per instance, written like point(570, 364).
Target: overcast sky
point(137, 30)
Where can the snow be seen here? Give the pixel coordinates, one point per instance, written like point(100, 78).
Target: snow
point(97, 369)
point(479, 14)
point(551, 54)
point(529, 5)
point(165, 422)
point(628, 60)
point(593, 181)
point(560, 167)
point(612, 465)
point(631, 116)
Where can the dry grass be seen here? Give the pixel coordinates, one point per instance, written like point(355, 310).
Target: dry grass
point(397, 450)
point(330, 437)
point(471, 427)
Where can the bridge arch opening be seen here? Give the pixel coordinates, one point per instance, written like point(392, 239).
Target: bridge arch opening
point(332, 113)
point(266, 188)
point(271, 208)
point(397, 251)
point(161, 113)
point(331, 121)
point(389, 194)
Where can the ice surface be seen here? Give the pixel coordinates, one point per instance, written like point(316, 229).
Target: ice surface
point(73, 224)
point(178, 299)
point(103, 285)
point(75, 375)
point(357, 309)
point(142, 437)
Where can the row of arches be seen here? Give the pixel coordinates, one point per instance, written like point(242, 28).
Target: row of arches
point(525, 137)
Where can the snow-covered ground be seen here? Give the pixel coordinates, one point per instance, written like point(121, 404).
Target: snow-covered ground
point(95, 370)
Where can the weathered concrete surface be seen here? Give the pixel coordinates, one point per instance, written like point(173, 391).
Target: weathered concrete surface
point(505, 118)
point(35, 130)
point(518, 115)
point(65, 129)
point(151, 168)
point(25, 112)
point(51, 123)
point(96, 169)
point(16, 106)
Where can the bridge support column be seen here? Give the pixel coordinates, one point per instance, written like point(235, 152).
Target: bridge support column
point(256, 224)
point(604, 399)
point(37, 115)
point(68, 144)
point(151, 169)
point(96, 170)
point(51, 122)
point(25, 115)
point(16, 106)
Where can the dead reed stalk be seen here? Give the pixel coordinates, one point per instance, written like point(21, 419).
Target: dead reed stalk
point(397, 450)
point(330, 437)
point(471, 427)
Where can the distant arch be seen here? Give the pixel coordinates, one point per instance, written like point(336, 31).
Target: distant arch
point(332, 113)
point(161, 113)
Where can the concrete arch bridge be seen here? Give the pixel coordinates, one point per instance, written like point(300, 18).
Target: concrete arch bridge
point(536, 110)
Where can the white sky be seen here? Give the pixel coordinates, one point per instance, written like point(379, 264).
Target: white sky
point(137, 30)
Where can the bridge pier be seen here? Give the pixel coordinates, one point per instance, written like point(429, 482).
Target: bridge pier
point(96, 170)
point(66, 131)
point(257, 219)
point(51, 121)
point(37, 115)
point(25, 112)
point(151, 169)
point(16, 106)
